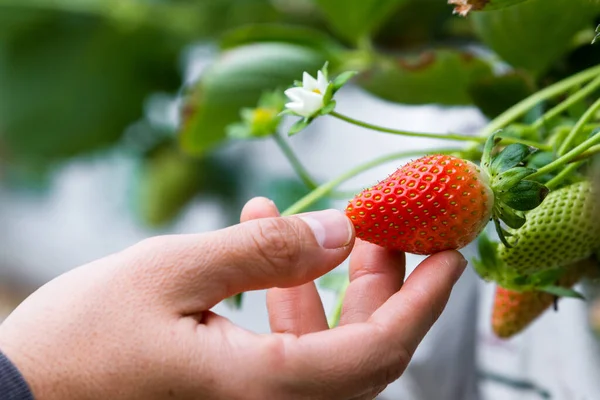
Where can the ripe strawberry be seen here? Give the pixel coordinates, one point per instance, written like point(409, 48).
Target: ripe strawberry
point(514, 311)
point(435, 203)
point(442, 202)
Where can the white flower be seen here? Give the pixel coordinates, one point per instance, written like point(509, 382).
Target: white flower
point(308, 98)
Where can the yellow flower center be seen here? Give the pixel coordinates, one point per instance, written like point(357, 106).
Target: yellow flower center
point(317, 91)
point(263, 115)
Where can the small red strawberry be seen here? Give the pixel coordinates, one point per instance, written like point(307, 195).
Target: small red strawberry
point(441, 202)
point(514, 311)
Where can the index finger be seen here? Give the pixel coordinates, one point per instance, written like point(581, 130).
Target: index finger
point(355, 357)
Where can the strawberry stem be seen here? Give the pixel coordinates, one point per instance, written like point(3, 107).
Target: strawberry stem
point(564, 105)
point(562, 175)
point(567, 158)
point(300, 170)
point(585, 118)
point(334, 320)
point(327, 187)
point(449, 136)
point(592, 151)
point(521, 108)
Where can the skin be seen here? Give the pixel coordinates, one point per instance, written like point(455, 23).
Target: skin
point(137, 325)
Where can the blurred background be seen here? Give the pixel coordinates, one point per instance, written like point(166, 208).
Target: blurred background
point(114, 119)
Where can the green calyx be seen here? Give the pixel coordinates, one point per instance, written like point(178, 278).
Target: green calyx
point(513, 193)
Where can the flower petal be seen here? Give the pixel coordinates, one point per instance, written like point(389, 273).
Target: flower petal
point(295, 93)
point(295, 107)
point(313, 102)
point(322, 82)
point(308, 82)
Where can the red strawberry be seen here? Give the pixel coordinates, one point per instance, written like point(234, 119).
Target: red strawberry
point(514, 311)
point(442, 202)
point(435, 203)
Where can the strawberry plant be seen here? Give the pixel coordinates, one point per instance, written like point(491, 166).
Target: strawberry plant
point(527, 175)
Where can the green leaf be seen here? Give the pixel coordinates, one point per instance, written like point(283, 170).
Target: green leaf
point(166, 183)
point(293, 34)
point(342, 79)
point(328, 95)
point(540, 159)
point(495, 94)
point(72, 84)
point(534, 34)
point(299, 126)
point(488, 148)
point(510, 217)
point(355, 19)
point(328, 108)
point(508, 179)
point(562, 292)
point(436, 76)
point(236, 80)
point(501, 233)
point(511, 156)
point(525, 195)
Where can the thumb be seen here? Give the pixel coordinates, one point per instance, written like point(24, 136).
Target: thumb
point(260, 254)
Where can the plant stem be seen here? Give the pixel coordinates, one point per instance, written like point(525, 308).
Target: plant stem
point(327, 187)
point(334, 320)
point(295, 161)
point(562, 175)
point(571, 100)
point(367, 125)
point(592, 151)
point(589, 114)
point(521, 108)
point(567, 158)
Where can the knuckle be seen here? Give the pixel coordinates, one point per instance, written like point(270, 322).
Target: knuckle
point(278, 244)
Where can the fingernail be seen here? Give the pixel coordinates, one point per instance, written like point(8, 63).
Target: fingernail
point(462, 263)
point(332, 229)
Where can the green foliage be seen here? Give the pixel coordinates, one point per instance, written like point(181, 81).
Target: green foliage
point(236, 80)
point(71, 84)
point(167, 182)
point(435, 76)
point(495, 94)
point(294, 34)
point(535, 34)
point(355, 19)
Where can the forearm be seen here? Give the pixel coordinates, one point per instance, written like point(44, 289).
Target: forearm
point(12, 383)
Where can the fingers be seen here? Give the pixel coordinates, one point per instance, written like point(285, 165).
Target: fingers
point(374, 353)
point(297, 310)
point(258, 207)
point(415, 308)
point(375, 275)
point(198, 271)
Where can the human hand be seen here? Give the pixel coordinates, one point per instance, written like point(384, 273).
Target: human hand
point(137, 325)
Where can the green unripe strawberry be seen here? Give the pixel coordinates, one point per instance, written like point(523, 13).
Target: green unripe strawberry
point(560, 231)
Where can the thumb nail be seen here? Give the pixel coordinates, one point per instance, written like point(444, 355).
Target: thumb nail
point(332, 229)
